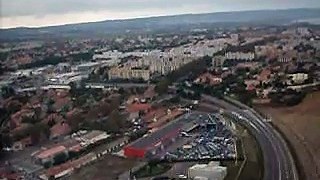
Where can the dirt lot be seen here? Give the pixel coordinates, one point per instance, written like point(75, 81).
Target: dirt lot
point(301, 125)
point(107, 169)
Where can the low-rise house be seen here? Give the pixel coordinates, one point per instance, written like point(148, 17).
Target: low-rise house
point(209, 79)
point(53, 118)
point(264, 93)
point(16, 118)
point(61, 102)
point(59, 130)
point(264, 75)
point(251, 84)
point(47, 156)
point(92, 137)
point(67, 168)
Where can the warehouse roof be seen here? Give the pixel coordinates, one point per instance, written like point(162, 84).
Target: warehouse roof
point(153, 139)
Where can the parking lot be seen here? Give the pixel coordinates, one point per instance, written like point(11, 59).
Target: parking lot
point(211, 138)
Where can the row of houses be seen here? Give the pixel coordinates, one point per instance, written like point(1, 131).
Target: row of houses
point(77, 143)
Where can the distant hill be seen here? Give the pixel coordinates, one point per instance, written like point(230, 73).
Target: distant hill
point(163, 23)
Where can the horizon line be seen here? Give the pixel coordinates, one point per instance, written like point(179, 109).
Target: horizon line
point(146, 17)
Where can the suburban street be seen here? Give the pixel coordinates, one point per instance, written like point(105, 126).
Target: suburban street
point(278, 161)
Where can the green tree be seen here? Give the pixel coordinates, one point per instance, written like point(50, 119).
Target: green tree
point(7, 92)
point(162, 86)
point(60, 158)
point(29, 119)
point(5, 139)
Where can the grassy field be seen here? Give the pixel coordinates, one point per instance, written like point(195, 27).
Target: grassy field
point(301, 126)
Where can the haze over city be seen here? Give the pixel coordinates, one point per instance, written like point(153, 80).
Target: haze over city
point(160, 89)
point(35, 13)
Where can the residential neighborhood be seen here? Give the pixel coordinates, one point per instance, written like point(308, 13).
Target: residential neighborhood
point(157, 105)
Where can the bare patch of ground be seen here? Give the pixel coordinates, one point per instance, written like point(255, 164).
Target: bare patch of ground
point(107, 169)
point(301, 126)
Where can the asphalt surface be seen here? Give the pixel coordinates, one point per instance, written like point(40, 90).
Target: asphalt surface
point(278, 161)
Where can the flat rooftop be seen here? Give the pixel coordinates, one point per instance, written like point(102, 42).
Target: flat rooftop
point(167, 131)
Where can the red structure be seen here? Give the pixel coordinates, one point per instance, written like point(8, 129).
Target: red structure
point(134, 152)
point(154, 142)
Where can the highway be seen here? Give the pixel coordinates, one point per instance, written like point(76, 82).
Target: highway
point(278, 161)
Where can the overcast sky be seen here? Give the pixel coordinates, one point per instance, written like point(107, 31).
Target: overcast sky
point(34, 13)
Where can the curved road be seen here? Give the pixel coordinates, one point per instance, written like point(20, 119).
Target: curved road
point(278, 161)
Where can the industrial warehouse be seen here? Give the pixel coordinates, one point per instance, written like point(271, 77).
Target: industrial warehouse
point(151, 144)
point(158, 144)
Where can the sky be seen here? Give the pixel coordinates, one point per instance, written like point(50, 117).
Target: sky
point(37, 13)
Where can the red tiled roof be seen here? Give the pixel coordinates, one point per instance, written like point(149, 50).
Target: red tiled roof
point(72, 145)
point(76, 148)
point(70, 165)
point(136, 107)
point(264, 75)
point(53, 171)
point(73, 112)
point(62, 93)
point(210, 79)
point(251, 87)
point(11, 176)
point(60, 102)
point(251, 84)
point(21, 126)
point(54, 117)
point(49, 152)
point(17, 117)
point(60, 129)
point(51, 93)
point(26, 141)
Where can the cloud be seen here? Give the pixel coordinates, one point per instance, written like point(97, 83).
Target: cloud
point(49, 7)
point(50, 12)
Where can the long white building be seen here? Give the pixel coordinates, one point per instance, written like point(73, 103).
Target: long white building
point(240, 56)
point(211, 171)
